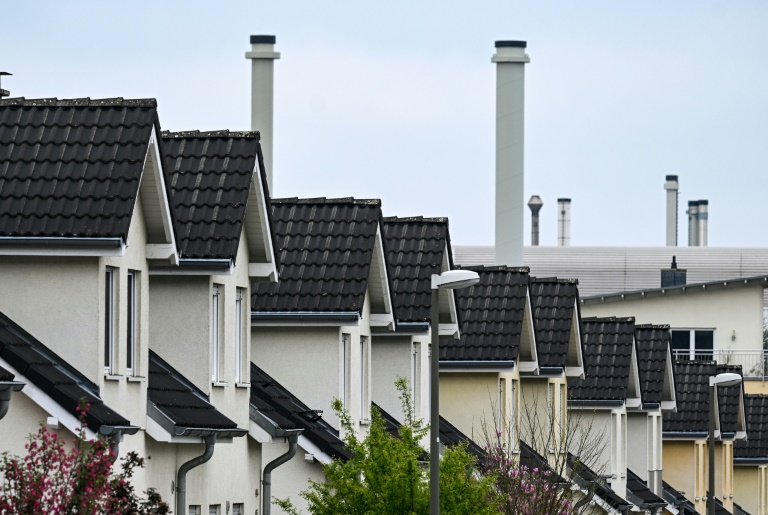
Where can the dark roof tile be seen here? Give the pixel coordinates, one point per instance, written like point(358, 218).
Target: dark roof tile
point(553, 302)
point(450, 436)
point(5, 375)
point(652, 349)
point(756, 445)
point(641, 493)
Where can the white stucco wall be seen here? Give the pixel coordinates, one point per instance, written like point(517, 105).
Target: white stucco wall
point(291, 478)
point(392, 358)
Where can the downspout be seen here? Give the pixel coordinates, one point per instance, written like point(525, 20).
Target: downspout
point(293, 443)
point(181, 478)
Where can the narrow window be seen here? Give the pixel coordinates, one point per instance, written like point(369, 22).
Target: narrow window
point(512, 413)
point(552, 403)
point(345, 370)
point(214, 509)
point(194, 509)
point(238, 508)
point(239, 336)
point(563, 414)
point(131, 324)
point(500, 414)
point(415, 387)
point(363, 376)
point(215, 333)
point(109, 318)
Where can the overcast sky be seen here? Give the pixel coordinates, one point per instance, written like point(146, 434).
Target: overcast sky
point(395, 99)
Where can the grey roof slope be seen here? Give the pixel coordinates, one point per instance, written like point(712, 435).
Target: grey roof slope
point(5, 375)
point(603, 490)
point(607, 344)
point(176, 398)
point(639, 493)
point(287, 411)
point(553, 302)
point(450, 436)
point(492, 314)
point(55, 377)
point(755, 448)
point(415, 249)
point(325, 249)
point(728, 398)
point(678, 500)
point(652, 343)
point(71, 168)
point(209, 175)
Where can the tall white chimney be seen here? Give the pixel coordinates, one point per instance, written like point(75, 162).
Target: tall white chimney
point(671, 186)
point(510, 59)
point(564, 222)
point(535, 204)
point(703, 220)
point(262, 56)
point(693, 223)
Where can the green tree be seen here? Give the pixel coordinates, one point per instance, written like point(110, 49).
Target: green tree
point(388, 474)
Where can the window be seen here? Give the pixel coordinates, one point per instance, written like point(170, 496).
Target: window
point(551, 387)
point(500, 413)
point(195, 510)
point(131, 323)
point(512, 412)
point(239, 336)
point(238, 508)
point(345, 370)
point(215, 333)
point(363, 376)
point(109, 317)
point(416, 381)
point(693, 343)
point(214, 509)
point(563, 412)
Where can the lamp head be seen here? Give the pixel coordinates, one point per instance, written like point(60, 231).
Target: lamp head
point(454, 279)
point(726, 379)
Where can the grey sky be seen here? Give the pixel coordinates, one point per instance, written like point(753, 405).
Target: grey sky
point(395, 99)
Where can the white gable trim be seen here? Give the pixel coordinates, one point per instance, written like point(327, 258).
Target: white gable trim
point(578, 369)
point(378, 278)
point(257, 230)
point(154, 194)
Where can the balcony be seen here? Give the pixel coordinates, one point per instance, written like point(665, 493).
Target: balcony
point(754, 363)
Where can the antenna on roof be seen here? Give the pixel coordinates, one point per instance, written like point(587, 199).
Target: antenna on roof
point(4, 92)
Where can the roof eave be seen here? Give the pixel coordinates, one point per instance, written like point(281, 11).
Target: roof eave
point(308, 318)
point(61, 246)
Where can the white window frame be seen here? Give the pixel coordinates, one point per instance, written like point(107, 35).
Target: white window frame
point(214, 509)
point(239, 336)
point(132, 325)
point(345, 366)
point(110, 318)
point(502, 385)
point(215, 333)
point(363, 376)
point(238, 508)
point(415, 387)
point(195, 509)
point(513, 415)
point(692, 350)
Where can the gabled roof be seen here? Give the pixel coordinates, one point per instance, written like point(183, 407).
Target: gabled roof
point(609, 358)
point(273, 406)
point(495, 319)
point(54, 379)
point(72, 168)
point(730, 400)
point(180, 408)
point(603, 490)
point(327, 251)
point(450, 436)
point(639, 493)
point(755, 448)
point(416, 248)
point(654, 363)
point(678, 500)
point(555, 315)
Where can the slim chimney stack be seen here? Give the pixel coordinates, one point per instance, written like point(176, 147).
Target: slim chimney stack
point(564, 222)
point(693, 223)
point(672, 187)
point(262, 56)
point(510, 59)
point(703, 222)
point(535, 204)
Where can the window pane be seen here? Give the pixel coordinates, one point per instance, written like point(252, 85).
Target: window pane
point(362, 377)
point(681, 341)
point(215, 334)
point(109, 308)
point(239, 335)
point(704, 344)
point(131, 322)
point(238, 509)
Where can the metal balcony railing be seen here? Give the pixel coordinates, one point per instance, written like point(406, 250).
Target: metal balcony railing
point(754, 363)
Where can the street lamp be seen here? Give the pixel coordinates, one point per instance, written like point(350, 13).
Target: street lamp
point(727, 379)
point(450, 280)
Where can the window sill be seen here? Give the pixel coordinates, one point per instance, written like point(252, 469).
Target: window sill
point(220, 384)
point(137, 379)
point(242, 385)
point(113, 377)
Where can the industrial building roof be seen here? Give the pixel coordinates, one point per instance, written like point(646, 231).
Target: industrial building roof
point(325, 248)
point(554, 305)
point(608, 345)
point(55, 377)
point(210, 175)
point(653, 354)
point(71, 168)
point(755, 448)
point(181, 402)
point(415, 249)
point(492, 314)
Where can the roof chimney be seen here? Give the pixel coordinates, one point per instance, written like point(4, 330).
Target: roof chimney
point(262, 56)
point(4, 92)
point(564, 222)
point(535, 204)
point(671, 186)
point(673, 276)
point(510, 59)
point(703, 222)
point(693, 223)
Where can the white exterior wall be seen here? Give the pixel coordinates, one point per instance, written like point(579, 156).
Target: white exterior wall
point(644, 445)
point(611, 427)
point(400, 356)
point(291, 478)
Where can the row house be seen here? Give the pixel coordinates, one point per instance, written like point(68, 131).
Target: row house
point(750, 458)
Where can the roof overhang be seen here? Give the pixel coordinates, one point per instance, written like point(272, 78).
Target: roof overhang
point(305, 318)
point(162, 429)
point(669, 393)
point(258, 232)
point(188, 266)
point(684, 435)
point(477, 366)
point(379, 294)
point(574, 361)
point(527, 355)
point(595, 404)
point(156, 206)
point(750, 462)
point(61, 246)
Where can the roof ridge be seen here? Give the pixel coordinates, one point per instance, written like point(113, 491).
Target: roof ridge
point(222, 133)
point(652, 326)
point(608, 319)
point(695, 362)
point(79, 102)
point(495, 268)
point(410, 219)
point(556, 280)
point(323, 200)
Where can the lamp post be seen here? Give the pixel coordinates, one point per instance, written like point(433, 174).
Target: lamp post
point(450, 280)
point(727, 379)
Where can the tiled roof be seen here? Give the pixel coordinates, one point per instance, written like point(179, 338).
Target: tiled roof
point(176, 398)
point(415, 249)
point(607, 345)
point(325, 249)
point(54, 376)
point(738, 510)
point(450, 436)
point(652, 348)
point(603, 489)
point(286, 411)
point(553, 301)
point(5, 375)
point(492, 314)
point(677, 499)
point(641, 493)
point(692, 388)
point(71, 167)
point(531, 459)
point(756, 445)
point(209, 175)
point(728, 398)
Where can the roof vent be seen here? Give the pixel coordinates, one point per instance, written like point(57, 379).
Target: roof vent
point(673, 276)
point(4, 92)
point(535, 204)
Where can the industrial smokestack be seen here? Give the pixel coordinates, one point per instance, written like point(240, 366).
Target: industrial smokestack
point(693, 223)
point(535, 204)
point(703, 222)
point(564, 222)
point(671, 186)
point(510, 59)
point(262, 56)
